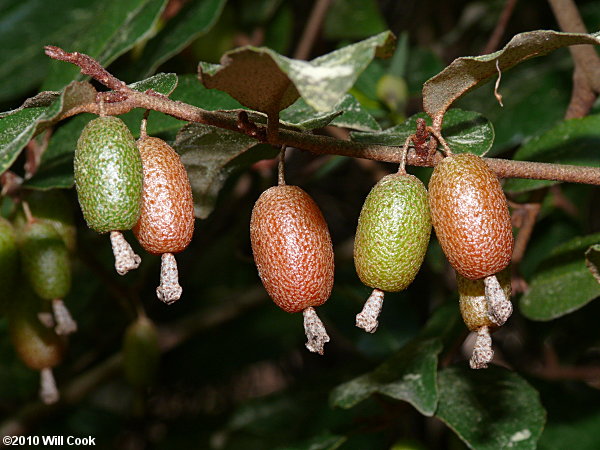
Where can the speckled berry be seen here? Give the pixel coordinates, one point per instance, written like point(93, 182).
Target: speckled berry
point(166, 222)
point(470, 216)
point(292, 248)
point(393, 233)
point(141, 352)
point(9, 263)
point(108, 175)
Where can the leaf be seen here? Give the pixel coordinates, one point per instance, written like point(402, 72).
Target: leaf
point(17, 128)
point(410, 375)
point(56, 165)
point(467, 73)
point(210, 155)
point(347, 113)
point(563, 283)
point(490, 409)
point(464, 131)
point(195, 19)
point(592, 261)
point(573, 142)
point(104, 31)
point(263, 80)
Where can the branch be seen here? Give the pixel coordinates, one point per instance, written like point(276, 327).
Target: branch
point(308, 141)
point(585, 56)
point(496, 36)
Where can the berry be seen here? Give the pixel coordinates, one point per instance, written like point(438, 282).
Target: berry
point(166, 222)
point(38, 346)
point(9, 262)
point(46, 265)
point(141, 352)
point(470, 216)
point(391, 239)
point(108, 178)
point(478, 314)
point(293, 253)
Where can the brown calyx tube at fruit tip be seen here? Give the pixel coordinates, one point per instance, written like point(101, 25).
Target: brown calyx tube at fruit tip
point(294, 256)
point(166, 223)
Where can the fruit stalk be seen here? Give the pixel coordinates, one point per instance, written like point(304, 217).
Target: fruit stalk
point(367, 318)
point(482, 352)
point(169, 290)
point(315, 331)
point(48, 391)
point(125, 258)
point(64, 322)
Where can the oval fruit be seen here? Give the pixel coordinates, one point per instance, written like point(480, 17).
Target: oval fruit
point(166, 222)
point(393, 233)
point(470, 216)
point(108, 175)
point(292, 248)
point(45, 260)
point(9, 262)
point(38, 346)
point(141, 352)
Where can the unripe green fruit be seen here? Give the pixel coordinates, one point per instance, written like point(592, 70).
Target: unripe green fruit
point(45, 260)
point(9, 262)
point(393, 233)
point(470, 216)
point(54, 208)
point(108, 175)
point(474, 306)
point(292, 248)
point(38, 346)
point(141, 352)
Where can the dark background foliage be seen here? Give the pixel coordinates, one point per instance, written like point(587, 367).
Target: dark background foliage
point(238, 375)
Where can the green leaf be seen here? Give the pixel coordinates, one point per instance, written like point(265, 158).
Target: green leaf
point(464, 131)
point(467, 73)
point(105, 31)
point(19, 126)
point(592, 260)
point(563, 283)
point(56, 166)
point(573, 142)
point(410, 375)
point(490, 409)
point(353, 19)
point(347, 113)
point(266, 81)
point(210, 155)
point(195, 19)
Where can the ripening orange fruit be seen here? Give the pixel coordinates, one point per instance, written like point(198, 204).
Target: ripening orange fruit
point(470, 216)
point(166, 222)
point(293, 253)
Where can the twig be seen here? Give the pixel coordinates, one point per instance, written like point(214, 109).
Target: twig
point(327, 145)
point(311, 31)
point(585, 56)
point(498, 32)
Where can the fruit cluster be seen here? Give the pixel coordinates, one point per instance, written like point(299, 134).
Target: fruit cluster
point(469, 213)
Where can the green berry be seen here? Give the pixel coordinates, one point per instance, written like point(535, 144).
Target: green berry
point(9, 262)
point(108, 175)
point(393, 233)
point(45, 260)
point(141, 352)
